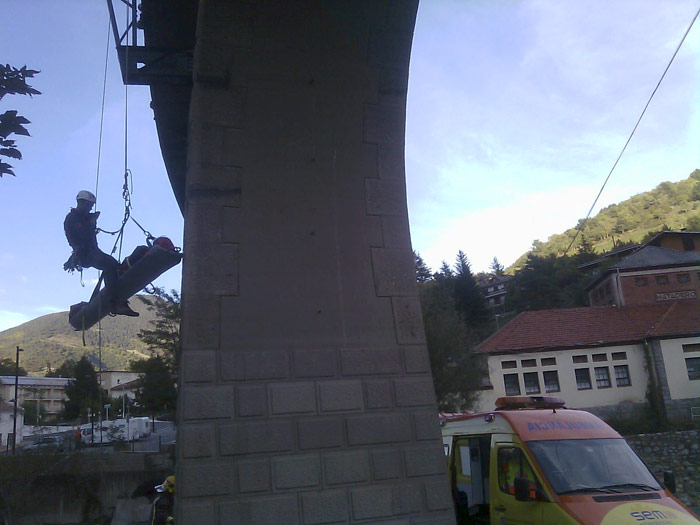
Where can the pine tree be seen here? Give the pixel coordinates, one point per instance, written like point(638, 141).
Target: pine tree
point(496, 267)
point(468, 298)
point(423, 273)
point(445, 272)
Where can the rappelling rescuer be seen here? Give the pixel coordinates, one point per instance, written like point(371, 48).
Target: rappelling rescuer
point(80, 227)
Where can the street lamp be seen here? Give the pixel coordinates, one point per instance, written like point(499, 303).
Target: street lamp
point(123, 400)
point(14, 422)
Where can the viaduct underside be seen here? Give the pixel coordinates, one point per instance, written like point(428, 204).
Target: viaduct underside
point(305, 392)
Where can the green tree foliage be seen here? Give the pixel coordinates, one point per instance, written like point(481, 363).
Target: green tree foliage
point(693, 223)
point(445, 272)
point(7, 367)
point(423, 273)
point(496, 267)
point(31, 417)
point(120, 406)
point(549, 282)
point(468, 299)
point(456, 320)
point(66, 369)
point(83, 391)
point(457, 370)
point(13, 81)
point(156, 388)
point(164, 338)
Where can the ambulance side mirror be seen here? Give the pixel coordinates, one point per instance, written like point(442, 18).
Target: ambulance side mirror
point(670, 480)
point(521, 489)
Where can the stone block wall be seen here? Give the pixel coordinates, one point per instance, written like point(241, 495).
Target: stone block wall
point(676, 451)
point(306, 394)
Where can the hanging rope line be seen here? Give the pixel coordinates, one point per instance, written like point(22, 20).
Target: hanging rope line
point(102, 117)
point(583, 224)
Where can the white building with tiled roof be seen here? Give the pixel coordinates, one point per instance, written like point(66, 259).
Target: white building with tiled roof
point(602, 359)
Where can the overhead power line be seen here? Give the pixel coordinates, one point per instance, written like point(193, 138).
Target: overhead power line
point(583, 225)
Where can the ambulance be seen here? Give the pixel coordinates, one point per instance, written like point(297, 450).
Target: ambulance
point(531, 461)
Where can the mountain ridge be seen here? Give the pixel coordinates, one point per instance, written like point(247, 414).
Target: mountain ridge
point(49, 340)
point(671, 206)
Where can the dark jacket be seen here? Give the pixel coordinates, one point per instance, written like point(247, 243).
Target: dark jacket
point(81, 231)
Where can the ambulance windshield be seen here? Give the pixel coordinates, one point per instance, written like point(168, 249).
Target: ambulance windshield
point(592, 465)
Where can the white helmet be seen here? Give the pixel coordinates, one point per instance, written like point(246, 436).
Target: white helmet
point(86, 196)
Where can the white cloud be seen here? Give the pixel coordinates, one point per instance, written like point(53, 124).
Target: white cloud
point(505, 231)
point(11, 319)
point(43, 310)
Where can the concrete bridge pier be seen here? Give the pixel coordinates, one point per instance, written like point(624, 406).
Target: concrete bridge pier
point(306, 394)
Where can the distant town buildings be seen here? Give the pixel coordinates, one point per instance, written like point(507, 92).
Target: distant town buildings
point(640, 337)
point(49, 392)
point(648, 276)
point(667, 268)
point(46, 392)
point(494, 289)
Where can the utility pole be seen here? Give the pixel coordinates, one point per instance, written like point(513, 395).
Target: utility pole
point(14, 422)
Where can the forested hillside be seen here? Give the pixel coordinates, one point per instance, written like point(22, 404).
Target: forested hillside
point(49, 340)
point(671, 206)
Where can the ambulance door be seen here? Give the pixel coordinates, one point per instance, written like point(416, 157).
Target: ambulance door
point(470, 483)
point(508, 461)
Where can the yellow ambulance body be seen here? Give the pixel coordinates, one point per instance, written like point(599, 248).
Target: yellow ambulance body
point(533, 462)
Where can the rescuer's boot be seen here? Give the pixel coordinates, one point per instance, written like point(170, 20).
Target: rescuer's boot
point(124, 309)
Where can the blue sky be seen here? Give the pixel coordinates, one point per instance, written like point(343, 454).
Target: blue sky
point(516, 112)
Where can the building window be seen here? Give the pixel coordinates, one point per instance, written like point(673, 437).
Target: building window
point(661, 280)
point(551, 381)
point(688, 244)
point(641, 282)
point(622, 375)
point(693, 366)
point(508, 364)
point(549, 361)
point(512, 384)
point(695, 347)
point(532, 383)
point(583, 379)
point(528, 362)
point(602, 377)
point(580, 359)
point(683, 278)
point(619, 356)
point(600, 357)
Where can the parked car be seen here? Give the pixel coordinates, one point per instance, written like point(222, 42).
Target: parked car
point(46, 445)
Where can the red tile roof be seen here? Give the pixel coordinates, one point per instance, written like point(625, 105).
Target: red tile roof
point(582, 327)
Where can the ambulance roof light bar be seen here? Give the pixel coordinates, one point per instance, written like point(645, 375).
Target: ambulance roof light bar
point(516, 402)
